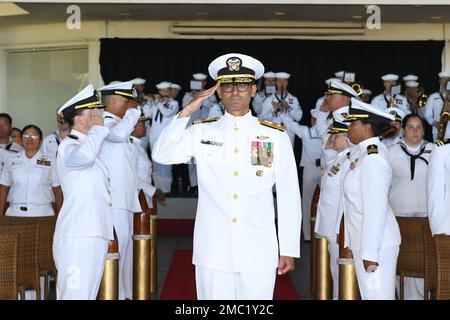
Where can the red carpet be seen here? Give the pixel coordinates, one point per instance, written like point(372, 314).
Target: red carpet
point(178, 227)
point(180, 281)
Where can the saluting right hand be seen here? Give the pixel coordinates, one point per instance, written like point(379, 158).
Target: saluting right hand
point(96, 118)
point(197, 102)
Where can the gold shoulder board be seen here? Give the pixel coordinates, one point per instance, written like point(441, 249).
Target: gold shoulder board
point(372, 149)
point(271, 124)
point(439, 143)
point(73, 136)
point(205, 120)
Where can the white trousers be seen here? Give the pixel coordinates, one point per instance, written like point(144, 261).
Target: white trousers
point(333, 249)
point(162, 176)
point(193, 174)
point(221, 285)
point(413, 288)
point(378, 285)
point(311, 178)
point(122, 224)
point(80, 262)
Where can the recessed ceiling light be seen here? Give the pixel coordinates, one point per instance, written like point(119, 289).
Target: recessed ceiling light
point(201, 13)
point(357, 17)
point(279, 13)
point(435, 17)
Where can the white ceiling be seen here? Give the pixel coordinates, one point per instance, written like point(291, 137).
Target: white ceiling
point(45, 12)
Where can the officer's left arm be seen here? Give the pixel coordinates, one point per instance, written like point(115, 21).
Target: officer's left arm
point(288, 198)
point(376, 175)
point(169, 109)
point(295, 111)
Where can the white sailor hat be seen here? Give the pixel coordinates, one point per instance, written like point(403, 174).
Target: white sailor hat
point(328, 81)
point(359, 110)
point(398, 113)
point(411, 84)
point(282, 75)
point(269, 74)
point(367, 91)
point(235, 67)
point(85, 99)
point(313, 113)
point(114, 82)
point(199, 76)
point(338, 87)
point(444, 74)
point(389, 76)
point(163, 85)
point(124, 89)
point(139, 81)
point(410, 77)
point(175, 86)
point(339, 74)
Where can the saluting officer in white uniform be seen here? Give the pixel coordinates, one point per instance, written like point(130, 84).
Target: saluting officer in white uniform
point(85, 222)
point(121, 115)
point(280, 102)
point(261, 96)
point(371, 230)
point(310, 161)
point(322, 98)
point(239, 159)
point(398, 114)
point(433, 108)
point(386, 100)
point(330, 206)
point(438, 182)
point(52, 141)
point(29, 181)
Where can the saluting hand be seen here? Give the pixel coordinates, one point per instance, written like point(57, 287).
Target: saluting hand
point(96, 118)
point(197, 102)
point(285, 265)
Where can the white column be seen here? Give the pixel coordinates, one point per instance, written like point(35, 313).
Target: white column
point(94, 65)
point(3, 101)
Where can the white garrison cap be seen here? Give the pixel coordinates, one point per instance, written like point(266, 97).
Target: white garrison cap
point(282, 75)
point(411, 84)
point(199, 76)
point(359, 110)
point(85, 99)
point(269, 74)
point(367, 91)
point(235, 66)
point(124, 89)
point(389, 76)
point(139, 81)
point(339, 74)
point(410, 77)
point(313, 113)
point(163, 85)
point(175, 86)
point(398, 113)
point(444, 74)
point(328, 81)
point(338, 87)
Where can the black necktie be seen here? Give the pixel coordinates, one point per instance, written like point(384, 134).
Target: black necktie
point(413, 159)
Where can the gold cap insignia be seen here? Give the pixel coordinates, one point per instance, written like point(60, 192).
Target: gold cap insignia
point(234, 64)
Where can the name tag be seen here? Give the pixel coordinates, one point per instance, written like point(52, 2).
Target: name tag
point(213, 143)
point(43, 162)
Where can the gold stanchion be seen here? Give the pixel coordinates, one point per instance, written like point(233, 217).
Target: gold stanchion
point(153, 249)
point(348, 283)
point(141, 251)
point(314, 203)
point(323, 274)
point(109, 286)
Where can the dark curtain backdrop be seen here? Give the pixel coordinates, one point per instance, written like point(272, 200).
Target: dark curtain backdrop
point(309, 62)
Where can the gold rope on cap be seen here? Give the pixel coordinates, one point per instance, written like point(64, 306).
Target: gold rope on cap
point(124, 93)
point(89, 105)
point(337, 130)
point(356, 116)
point(243, 78)
point(332, 91)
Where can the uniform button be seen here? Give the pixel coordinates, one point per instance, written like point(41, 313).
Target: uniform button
point(236, 130)
point(236, 150)
point(235, 173)
point(235, 196)
point(110, 204)
point(234, 220)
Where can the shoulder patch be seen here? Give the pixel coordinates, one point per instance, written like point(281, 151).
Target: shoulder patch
point(206, 120)
point(72, 136)
point(271, 124)
point(372, 149)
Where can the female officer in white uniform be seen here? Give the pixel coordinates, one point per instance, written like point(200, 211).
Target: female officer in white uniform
point(408, 195)
point(329, 209)
point(371, 230)
point(29, 181)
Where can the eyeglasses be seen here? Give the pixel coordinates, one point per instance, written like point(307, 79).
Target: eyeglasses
point(229, 87)
point(32, 136)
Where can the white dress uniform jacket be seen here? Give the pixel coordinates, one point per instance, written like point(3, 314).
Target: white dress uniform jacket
point(294, 111)
point(162, 114)
point(143, 171)
point(51, 143)
point(408, 195)
point(31, 182)
point(432, 113)
point(234, 228)
point(12, 147)
point(438, 182)
point(382, 101)
point(370, 224)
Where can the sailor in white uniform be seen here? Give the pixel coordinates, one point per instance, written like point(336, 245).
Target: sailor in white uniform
point(386, 99)
point(53, 140)
point(239, 160)
point(5, 130)
point(121, 115)
point(85, 222)
point(371, 230)
point(261, 96)
point(310, 161)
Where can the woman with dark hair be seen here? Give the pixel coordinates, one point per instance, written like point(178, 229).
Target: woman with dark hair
point(16, 135)
point(29, 181)
point(371, 230)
